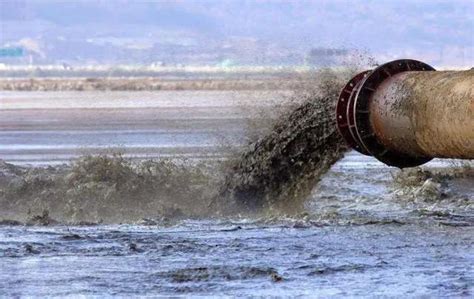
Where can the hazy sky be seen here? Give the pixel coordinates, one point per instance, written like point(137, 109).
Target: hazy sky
point(433, 30)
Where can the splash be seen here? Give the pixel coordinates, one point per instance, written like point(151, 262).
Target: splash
point(283, 166)
point(105, 189)
point(274, 173)
point(279, 170)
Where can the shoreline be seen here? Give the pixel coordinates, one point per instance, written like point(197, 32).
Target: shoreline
point(144, 84)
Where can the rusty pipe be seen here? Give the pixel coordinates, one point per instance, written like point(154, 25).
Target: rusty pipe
point(404, 113)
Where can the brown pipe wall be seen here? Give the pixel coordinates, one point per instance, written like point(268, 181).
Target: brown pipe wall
point(426, 114)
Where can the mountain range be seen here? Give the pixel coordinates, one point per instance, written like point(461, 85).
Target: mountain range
point(242, 32)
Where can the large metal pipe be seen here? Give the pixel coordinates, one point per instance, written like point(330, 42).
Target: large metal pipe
point(404, 113)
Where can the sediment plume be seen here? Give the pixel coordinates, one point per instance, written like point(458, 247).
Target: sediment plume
point(104, 189)
point(277, 171)
point(280, 169)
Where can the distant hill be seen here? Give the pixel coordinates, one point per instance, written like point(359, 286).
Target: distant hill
point(236, 32)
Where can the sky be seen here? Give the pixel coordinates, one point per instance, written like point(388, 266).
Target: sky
point(435, 31)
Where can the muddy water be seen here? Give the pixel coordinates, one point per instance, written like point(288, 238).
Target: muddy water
point(41, 128)
point(361, 234)
point(214, 259)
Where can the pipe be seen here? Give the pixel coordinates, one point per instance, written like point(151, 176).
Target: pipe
point(404, 113)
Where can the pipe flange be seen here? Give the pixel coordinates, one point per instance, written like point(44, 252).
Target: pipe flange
point(344, 108)
point(361, 117)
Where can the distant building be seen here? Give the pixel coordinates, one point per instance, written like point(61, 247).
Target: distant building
point(66, 66)
point(12, 52)
point(157, 64)
point(326, 57)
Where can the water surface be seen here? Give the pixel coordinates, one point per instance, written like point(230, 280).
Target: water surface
point(358, 236)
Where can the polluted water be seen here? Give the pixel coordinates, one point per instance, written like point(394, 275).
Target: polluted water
point(293, 212)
